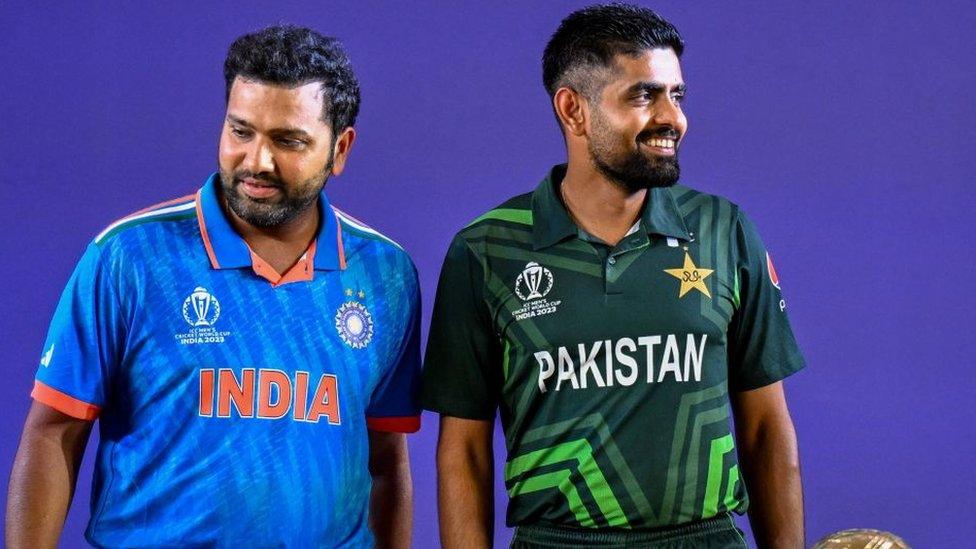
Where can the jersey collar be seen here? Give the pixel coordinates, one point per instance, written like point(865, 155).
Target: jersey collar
point(227, 250)
point(551, 222)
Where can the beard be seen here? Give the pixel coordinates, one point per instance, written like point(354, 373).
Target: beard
point(632, 170)
point(266, 213)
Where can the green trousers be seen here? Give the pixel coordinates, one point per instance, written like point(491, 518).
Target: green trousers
point(715, 533)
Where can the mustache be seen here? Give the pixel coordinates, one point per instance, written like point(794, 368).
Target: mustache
point(664, 132)
point(263, 176)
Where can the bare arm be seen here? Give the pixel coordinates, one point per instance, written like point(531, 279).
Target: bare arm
point(771, 463)
point(391, 500)
point(43, 478)
point(465, 477)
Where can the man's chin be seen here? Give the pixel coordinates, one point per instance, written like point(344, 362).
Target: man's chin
point(635, 181)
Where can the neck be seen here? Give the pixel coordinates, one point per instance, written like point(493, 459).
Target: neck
point(601, 207)
point(282, 245)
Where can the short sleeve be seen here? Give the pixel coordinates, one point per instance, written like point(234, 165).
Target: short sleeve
point(463, 349)
point(84, 342)
point(762, 348)
point(394, 405)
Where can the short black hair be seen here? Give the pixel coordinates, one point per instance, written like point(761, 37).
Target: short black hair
point(290, 55)
point(588, 39)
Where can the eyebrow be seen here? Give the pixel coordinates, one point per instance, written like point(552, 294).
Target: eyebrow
point(282, 132)
point(653, 87)
point(239, 121)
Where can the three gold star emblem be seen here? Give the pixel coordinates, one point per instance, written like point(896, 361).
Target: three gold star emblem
point(691, 277)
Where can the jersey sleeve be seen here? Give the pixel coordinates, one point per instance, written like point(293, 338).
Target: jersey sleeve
point(463, 350)
point(84, 341)
point(394, 405)
point(762, 347)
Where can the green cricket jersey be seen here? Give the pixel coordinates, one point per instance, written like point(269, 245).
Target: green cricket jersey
point(611, 366)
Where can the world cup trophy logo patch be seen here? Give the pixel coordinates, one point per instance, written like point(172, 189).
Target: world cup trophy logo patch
point(354, 324)
point(201, 308)
point(534, 282)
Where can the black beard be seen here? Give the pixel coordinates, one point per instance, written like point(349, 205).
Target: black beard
point(636, 172)
point(632, 170)
point(264, 214)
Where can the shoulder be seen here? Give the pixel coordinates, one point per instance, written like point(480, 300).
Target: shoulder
point(363, 243)
point(692, 201)
point(146, 231)
point(510, 220)
point(171, 211)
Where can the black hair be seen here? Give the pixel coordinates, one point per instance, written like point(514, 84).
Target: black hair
point(588, 39)
point(290, 55)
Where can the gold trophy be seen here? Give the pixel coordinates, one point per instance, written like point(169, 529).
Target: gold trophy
point(861, 539)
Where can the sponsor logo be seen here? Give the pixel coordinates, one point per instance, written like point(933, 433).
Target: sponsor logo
point(268, 394)
point(46, 358)
point(354, 324)
point(532, 286)
point(201, 309)
point(692, 277)
point(773, 277)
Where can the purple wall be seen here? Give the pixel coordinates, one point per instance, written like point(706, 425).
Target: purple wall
point(844, 130)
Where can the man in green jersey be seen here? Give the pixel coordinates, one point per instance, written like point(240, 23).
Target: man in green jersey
point(615, 319)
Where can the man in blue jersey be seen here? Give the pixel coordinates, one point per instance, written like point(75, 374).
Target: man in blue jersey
point(250, 351)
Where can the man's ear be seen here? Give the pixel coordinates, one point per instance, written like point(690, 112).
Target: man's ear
point(572, 110)
point(341, 148)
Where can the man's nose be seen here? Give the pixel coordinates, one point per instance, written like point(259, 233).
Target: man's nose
point(666, 113)
point(259, 158)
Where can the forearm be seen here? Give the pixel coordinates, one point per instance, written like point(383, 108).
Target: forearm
point(391, 508)
point(465, 498)
point(41, 486)
point(772, 474)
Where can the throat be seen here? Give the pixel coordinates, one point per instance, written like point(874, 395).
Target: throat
point(601, 208)
point(279, 256)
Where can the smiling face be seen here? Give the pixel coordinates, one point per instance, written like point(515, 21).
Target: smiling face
point(276, 151)
point(636, 121)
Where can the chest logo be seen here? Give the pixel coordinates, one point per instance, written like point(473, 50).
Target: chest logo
point(534, 282)
point(201, 309)
point(532, 286)
point(692, 277)
point(354, 324)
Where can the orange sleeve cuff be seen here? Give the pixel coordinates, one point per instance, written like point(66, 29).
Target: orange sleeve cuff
point(408, 424)
point(64, 403)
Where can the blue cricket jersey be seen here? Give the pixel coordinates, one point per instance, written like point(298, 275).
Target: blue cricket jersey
point(233, 401)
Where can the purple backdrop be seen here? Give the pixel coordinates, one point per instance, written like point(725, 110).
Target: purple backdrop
point(843, 129)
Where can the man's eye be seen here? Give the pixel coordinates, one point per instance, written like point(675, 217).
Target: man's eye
point(238, 132)
point(678, 97)
point(291, 143)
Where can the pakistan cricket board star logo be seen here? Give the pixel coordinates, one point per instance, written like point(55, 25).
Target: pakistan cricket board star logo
point(534, 282)
point(692, 277)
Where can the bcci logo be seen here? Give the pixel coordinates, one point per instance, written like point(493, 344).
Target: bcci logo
point(354, 324)
point(534, 282)
point(201, 308)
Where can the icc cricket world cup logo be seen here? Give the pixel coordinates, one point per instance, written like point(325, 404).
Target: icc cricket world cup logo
point(534, 282)
point(201, 308)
